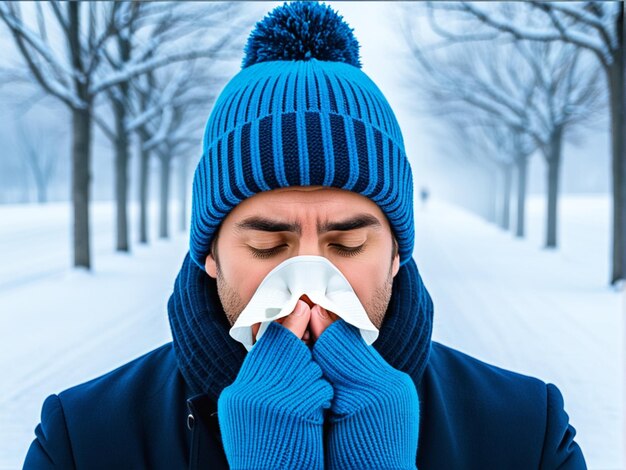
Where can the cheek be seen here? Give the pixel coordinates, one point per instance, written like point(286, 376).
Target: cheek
point(365, 280)
point(243, 276)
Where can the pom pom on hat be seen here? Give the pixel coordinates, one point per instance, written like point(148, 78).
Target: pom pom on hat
point(302, 31)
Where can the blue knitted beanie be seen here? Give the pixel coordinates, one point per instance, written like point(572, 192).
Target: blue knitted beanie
point(301, 112)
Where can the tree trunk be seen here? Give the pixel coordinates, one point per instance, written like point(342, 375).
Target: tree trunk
point(42, 187)
point(553, 160)
point(617, 97)
point(36, 159)
point(24, 198)
point(489, 211)
point(81, 145)
point(165, 189)
point(81, 179)
point(183, 163)
point(144, 179)
point(505, 222)
point(522, 170)
point(42, 194)
point(121, 150)
point(121, 177)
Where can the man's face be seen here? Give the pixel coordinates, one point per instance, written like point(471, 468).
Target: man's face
point(266, 229)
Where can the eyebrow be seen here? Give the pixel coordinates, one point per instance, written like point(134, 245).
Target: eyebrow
point(268, 225)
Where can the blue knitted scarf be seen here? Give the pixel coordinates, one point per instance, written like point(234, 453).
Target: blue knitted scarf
point(209, 358)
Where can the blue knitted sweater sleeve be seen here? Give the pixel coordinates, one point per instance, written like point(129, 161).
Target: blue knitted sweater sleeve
point(272, 415)
point(374, 422)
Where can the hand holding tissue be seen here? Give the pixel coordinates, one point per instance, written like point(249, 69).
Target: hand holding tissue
point(278, 293)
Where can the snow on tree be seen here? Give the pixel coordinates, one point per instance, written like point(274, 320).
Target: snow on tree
point(544, 91)
point(597, 27)
point(75, 70)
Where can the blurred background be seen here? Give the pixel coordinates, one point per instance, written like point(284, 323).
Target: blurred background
point(514, 121)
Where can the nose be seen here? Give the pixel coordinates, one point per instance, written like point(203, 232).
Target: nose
point(309, 246)
point(306, 299)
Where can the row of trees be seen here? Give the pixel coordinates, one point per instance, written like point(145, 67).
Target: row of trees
point(511, 79)
point(142, 72)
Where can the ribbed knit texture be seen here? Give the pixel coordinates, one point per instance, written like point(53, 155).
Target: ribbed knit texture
point(281, 122)
point(375, 411)
point(207, 356)
point(209, 359)
point(272, 416)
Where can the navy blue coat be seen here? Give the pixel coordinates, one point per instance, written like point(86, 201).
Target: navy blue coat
point(474, 416)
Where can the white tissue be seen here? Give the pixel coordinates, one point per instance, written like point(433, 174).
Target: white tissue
point(279, 292)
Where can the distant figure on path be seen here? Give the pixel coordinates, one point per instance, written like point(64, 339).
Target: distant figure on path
point(424, 195)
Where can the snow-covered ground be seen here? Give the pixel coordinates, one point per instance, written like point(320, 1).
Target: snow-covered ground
point(61, 327)
point(545, 313)
point(509, 302)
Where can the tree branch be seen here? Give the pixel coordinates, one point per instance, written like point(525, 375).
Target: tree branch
point(134, 69)
point(540, 35)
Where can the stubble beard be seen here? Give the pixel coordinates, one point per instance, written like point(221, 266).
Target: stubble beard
point(233, 304)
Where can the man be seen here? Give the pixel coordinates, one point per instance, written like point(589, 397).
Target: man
point(303, 156)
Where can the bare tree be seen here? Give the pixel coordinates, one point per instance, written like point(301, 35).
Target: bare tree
point(41, 154)
point(501, 150)
point(569, 96)
point(183, 189)
point(510, 150)
point(184, 98)
point(597, 27)
point(486, 93)
point(79, 74)
point(155, 104)
point(144, 153)
point(541, 90)
point(147, 35)
point(177, 143)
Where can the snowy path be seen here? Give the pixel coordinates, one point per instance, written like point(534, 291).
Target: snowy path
point(505, 301)
point(59, 328)
point(544, 313)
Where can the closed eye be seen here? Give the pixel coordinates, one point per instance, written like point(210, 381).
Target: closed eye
point(341, 249)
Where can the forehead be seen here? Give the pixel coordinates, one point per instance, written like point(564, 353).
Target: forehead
point(306, 202)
